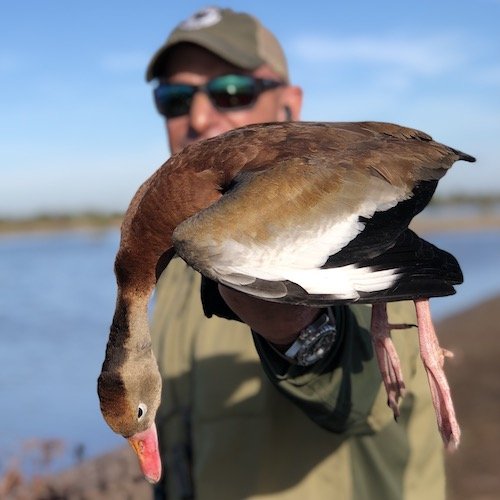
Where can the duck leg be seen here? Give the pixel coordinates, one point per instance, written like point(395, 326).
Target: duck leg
point(433, 359)
point(387, 357)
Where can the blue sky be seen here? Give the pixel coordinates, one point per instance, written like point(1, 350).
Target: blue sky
point(78, 130)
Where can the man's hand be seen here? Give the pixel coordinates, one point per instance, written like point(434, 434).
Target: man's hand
point(278, 323)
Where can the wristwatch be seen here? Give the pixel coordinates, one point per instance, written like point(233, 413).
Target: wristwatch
point(314, 341)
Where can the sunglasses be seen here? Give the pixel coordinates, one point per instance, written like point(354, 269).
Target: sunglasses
point(226, 92)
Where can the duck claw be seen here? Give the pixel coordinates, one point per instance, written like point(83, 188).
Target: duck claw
point(387, 357)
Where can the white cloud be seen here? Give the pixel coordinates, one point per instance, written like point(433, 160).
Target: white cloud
point(427, 55)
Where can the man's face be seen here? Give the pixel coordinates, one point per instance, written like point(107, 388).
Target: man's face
point(193, 65)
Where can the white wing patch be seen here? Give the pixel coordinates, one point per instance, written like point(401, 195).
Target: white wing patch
point(300, 249)
point(299, 259)
point(344, 282)
point(298, 253)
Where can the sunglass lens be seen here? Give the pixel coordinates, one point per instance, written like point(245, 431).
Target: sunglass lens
point(232, 91)
point(173, 100)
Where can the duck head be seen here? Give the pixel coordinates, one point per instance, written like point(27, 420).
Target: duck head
point(129, 385)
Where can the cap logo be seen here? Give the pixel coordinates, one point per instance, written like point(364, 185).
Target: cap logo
point(202, 19)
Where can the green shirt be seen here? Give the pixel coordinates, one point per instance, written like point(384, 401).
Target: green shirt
point(234, 425)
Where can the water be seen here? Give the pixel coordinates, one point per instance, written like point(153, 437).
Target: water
point(478, 253)
point(56, 301)
point(57, 298)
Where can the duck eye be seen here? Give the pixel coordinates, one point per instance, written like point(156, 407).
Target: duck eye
point(141, 411)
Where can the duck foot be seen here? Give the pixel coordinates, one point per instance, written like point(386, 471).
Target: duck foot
point(433, 359)
point(387, 356)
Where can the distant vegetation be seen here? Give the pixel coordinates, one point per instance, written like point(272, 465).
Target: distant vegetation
point(479, 200)
point(58, 222)
point(96, 220)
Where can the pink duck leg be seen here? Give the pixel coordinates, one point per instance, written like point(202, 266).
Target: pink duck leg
point(387, 356)
point(433, 359)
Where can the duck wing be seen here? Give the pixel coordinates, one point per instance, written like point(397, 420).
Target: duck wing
point(328, 222)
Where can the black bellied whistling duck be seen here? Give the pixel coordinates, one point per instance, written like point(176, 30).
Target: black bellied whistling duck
point(305, 213)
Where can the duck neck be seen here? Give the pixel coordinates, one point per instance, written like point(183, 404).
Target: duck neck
point(129, 333)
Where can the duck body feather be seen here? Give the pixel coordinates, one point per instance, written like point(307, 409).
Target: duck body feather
point(325, 218)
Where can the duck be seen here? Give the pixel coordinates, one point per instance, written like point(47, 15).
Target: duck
point(297, 212)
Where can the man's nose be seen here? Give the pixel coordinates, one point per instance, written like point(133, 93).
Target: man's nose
point(202, 113)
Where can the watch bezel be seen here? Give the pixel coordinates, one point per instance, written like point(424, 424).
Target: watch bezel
point(314, 341)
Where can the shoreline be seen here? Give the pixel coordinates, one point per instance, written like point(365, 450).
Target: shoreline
point(49, 224)
point(427, 224)
point(423, 223)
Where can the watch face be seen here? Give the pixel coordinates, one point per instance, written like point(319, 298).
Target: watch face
point(317, 350)
point(315, 341)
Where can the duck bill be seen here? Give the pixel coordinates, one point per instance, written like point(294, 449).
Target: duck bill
point(145, 445)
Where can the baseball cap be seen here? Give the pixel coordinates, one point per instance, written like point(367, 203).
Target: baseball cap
point(236, 37)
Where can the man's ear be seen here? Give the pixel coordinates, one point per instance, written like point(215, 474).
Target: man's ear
point(291, 103)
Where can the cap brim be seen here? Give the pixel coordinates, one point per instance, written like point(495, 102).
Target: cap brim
point(237, 57)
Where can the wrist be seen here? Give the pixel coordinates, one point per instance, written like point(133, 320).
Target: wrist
point(287, 331)
point(278, 323)
point(283, 342)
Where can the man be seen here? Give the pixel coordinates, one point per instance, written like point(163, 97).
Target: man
point(265, 414)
